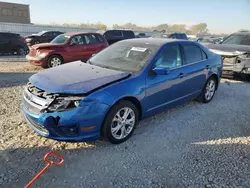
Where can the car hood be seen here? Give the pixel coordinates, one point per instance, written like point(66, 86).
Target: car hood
point(228, 49)
point(76, 78)
point(46, 45)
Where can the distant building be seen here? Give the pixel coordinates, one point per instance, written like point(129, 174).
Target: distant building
point(14, 13)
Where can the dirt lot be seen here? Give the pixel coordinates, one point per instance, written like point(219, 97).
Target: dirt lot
point(194, 145)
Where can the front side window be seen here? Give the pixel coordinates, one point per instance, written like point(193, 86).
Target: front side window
point(237, 39)
point(192, 53)
point(169, 57)
point(125, 56)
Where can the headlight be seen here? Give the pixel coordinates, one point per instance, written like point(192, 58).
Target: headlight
point(42, 55)
point(64, 103)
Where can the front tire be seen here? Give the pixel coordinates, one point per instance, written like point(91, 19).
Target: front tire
point(54, 61)
point(208, 91)
point(120, 122)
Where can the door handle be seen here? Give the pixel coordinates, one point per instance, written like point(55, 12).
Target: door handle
point(181, 75)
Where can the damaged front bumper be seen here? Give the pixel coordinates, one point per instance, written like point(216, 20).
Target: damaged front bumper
point(82, 123)
point(235, 62)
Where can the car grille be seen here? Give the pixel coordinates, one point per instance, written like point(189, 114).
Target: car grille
point(36, 100)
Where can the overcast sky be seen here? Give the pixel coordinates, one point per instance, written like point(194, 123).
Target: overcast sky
point(221, 15)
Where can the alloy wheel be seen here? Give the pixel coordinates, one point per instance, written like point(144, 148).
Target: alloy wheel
point(210, 89)
point(123, 123)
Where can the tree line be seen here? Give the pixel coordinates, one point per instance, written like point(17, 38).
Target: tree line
point(200, 28)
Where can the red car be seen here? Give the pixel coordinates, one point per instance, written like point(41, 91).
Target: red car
point(66, 48)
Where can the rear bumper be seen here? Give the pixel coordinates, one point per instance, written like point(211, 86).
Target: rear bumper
point(236, 65)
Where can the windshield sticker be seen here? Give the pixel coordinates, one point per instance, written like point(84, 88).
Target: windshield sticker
point(139, 49)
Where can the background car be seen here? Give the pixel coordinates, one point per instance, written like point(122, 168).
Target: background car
point(170, 35)
point(141, 35)
point(235, 51)
point(116, 35)
point(66, 48)
point(128, 81)
point(12, 43)
point(41, 37)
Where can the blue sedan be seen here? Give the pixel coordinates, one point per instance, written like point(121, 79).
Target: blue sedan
point(128, 81)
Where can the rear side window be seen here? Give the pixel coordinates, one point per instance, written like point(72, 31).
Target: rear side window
point(116, 33)
point(184, 36)
point(192, 54)
point(55, 34)
point(91, 39)
point(128, 34)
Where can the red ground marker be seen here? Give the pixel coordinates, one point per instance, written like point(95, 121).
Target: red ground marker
point(49, 163)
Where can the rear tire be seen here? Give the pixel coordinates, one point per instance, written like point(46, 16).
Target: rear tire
point(208, 91)
point(54, 61)
point(120, 122)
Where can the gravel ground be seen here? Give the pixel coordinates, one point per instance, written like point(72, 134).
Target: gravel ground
point(194, 145)
point(13, 58)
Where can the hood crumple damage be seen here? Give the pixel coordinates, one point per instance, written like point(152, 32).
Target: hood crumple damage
point(236, 58)
point(76, 78)
point(228, 49)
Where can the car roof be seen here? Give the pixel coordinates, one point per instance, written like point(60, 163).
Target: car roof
point(153, 41)
point(79, 33)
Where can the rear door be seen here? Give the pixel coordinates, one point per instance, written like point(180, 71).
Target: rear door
point(94, 44)
point(196, 67)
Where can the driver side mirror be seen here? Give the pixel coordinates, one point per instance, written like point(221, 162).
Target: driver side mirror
point(161, 71)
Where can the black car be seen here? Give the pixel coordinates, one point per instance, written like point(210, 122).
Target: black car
point(235, 51)
point(41, 37)
point(171, 35)
point(12, 44)
point(142, 35)
point(116, 35)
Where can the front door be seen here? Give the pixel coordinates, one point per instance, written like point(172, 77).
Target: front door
point(163, 90)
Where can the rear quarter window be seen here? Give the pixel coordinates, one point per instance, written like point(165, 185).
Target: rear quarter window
point(192, 53)
point(99, 38)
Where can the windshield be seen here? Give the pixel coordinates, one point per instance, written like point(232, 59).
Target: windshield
point(41, 33)
point(125, 56)
point(237, 39)
point(61, 39)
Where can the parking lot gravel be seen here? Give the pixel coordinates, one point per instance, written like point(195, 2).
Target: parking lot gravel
point(194, 145)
